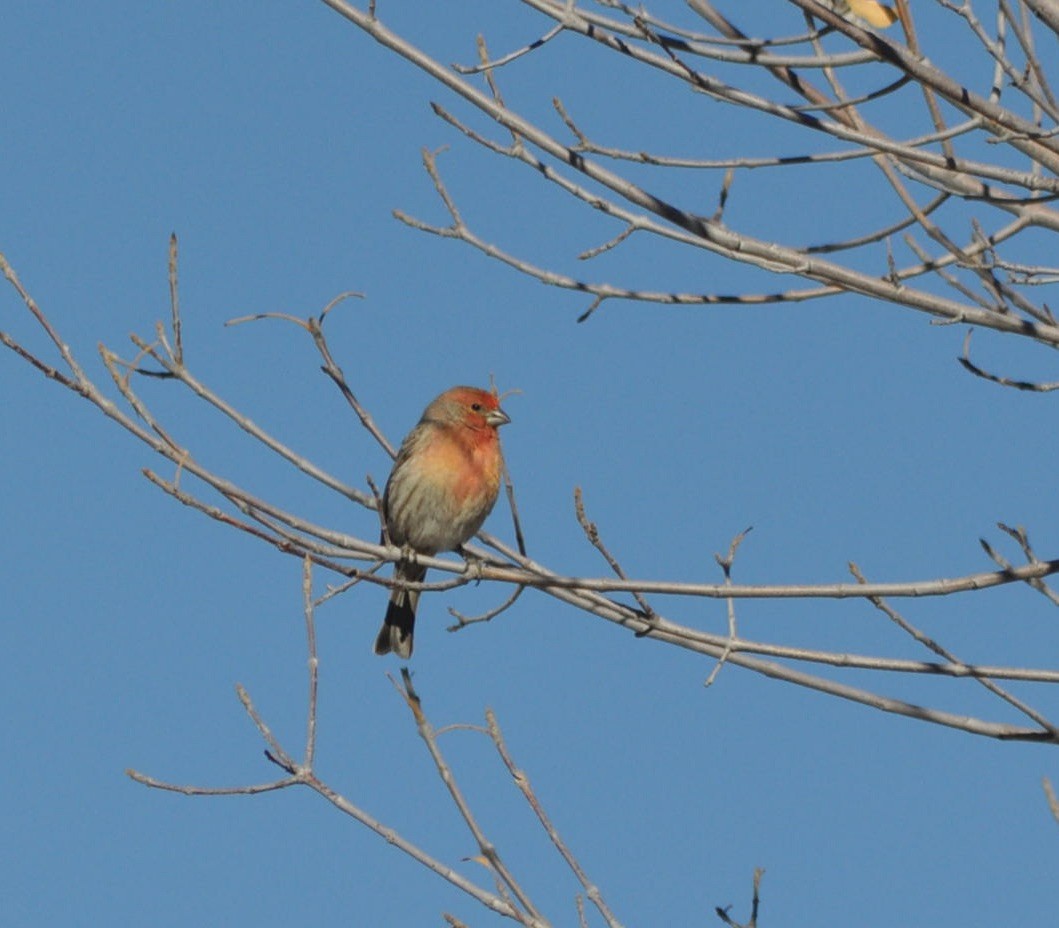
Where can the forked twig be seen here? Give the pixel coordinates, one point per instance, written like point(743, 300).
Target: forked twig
point(722, 913)
point(726, 563)
point(1020, 536)
point(303, 774)
point(489, 64)
point(928, 642)
point(486, 848)
point(523, 784)
point(591, 531)
point(488, 615)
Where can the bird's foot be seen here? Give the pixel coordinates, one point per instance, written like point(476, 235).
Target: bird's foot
point(472, 565)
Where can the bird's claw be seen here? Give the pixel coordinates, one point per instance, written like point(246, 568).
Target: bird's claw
point(472, 566)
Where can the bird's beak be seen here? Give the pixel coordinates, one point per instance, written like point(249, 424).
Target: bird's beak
point(497, 418)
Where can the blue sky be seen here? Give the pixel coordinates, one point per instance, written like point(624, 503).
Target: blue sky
point(275, 139)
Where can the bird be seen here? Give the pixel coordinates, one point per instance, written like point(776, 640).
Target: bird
point(444, 483)
point(871, 12)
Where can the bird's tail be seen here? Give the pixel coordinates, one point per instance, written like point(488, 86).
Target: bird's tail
point(396, 632)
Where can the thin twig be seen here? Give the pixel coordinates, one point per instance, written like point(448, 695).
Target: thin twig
point(189, 790)
point(934, 646)
point(314, 662)
point(1053, 800)
point(488, 616)
point(591, 531)
point(523, 784)
point(1020, 536)
point(1028, 386)
point(486, 847)
point(722, 913)
point(491, 63)
point(726, 563)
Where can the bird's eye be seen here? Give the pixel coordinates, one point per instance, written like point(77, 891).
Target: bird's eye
point(477, 407)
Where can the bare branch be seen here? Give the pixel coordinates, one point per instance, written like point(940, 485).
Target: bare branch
point(1026, 385)
point(933, 645)
point(486, 847)
point(726, 563)
point(701, 232)
point(188, 790)
point(489, 64)
point(174, 300)
point(314, 662)
point(523, 783)
point(722, 913)
point(592, 534)
point(1053, 800)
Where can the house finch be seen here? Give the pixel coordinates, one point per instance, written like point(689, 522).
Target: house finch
point(442, 486)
